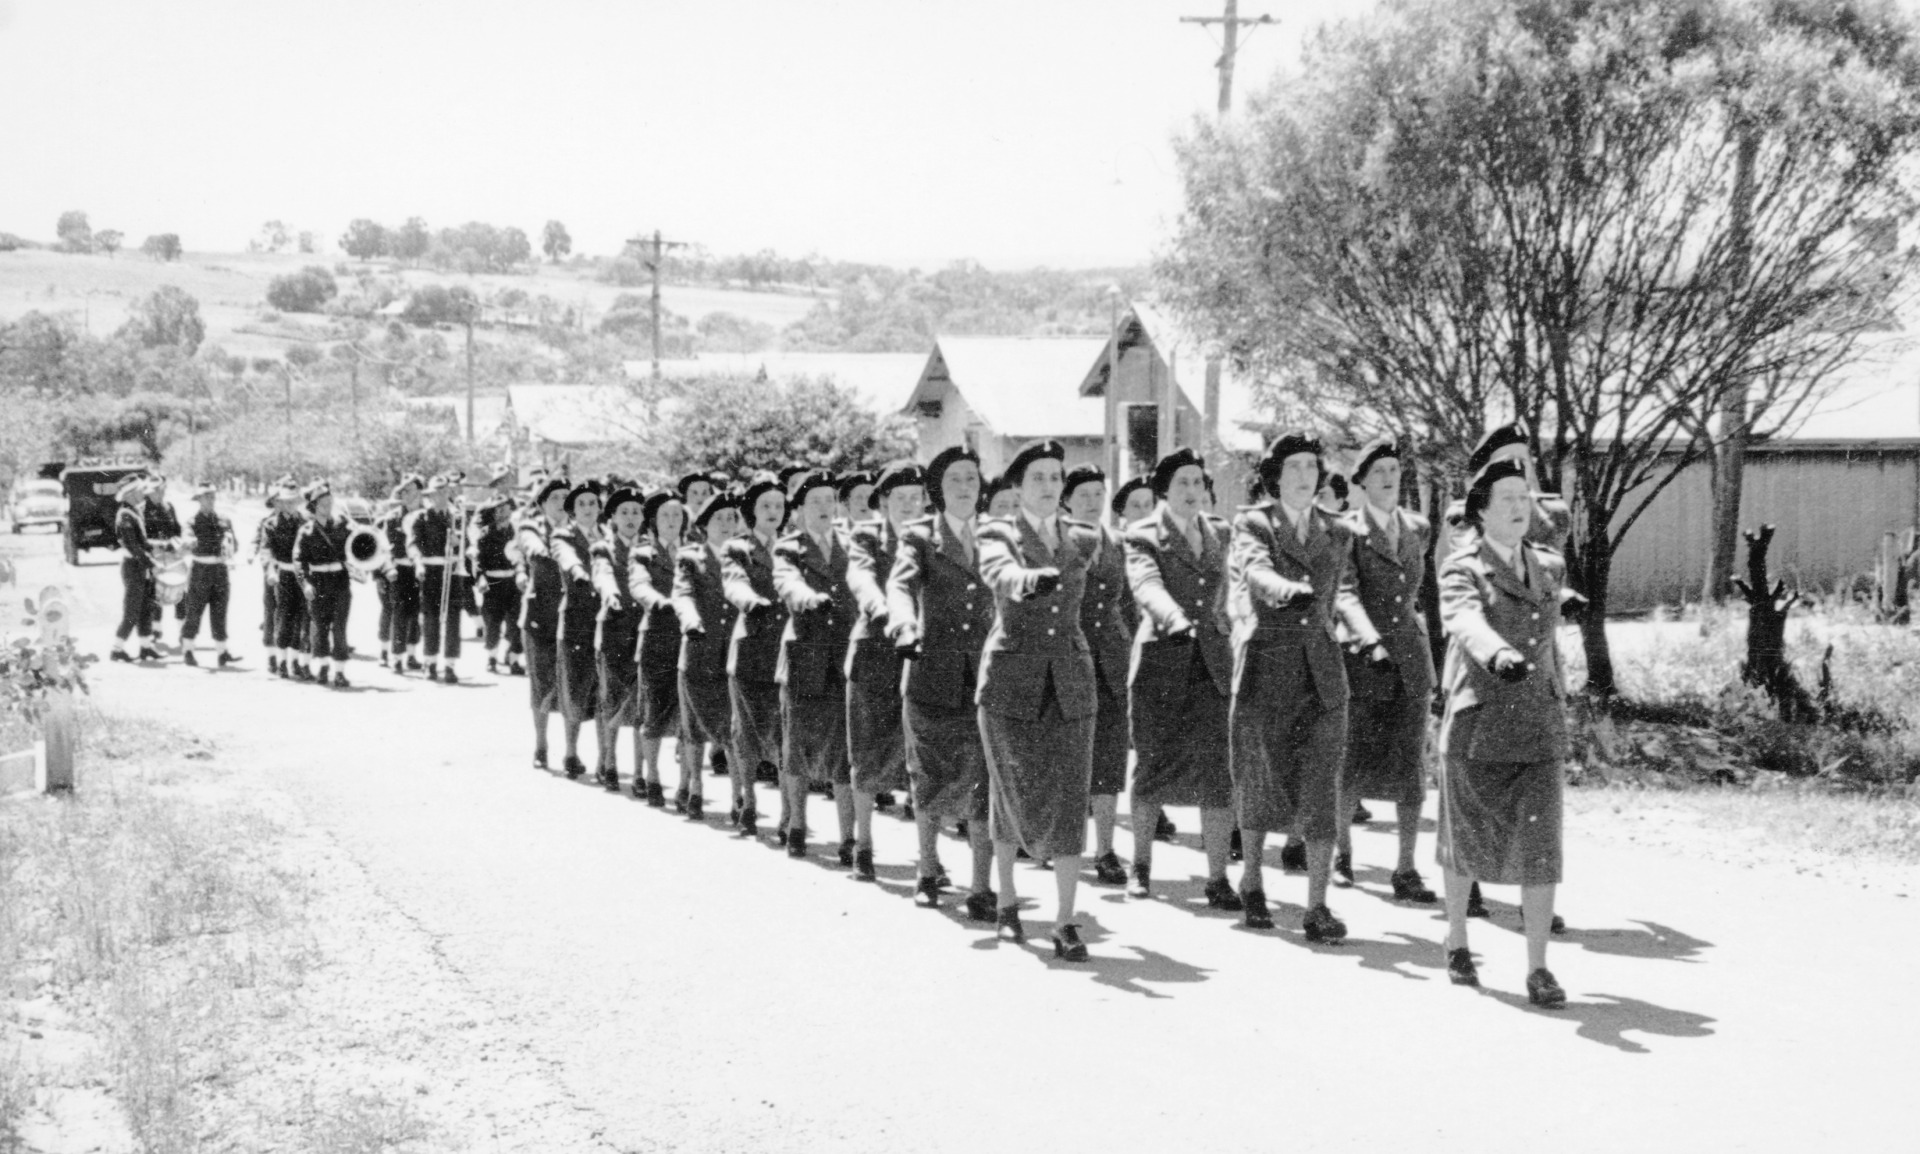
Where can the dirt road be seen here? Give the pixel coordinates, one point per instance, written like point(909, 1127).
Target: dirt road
point(699, 992)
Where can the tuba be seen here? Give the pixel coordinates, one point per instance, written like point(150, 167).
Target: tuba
point(367, 552)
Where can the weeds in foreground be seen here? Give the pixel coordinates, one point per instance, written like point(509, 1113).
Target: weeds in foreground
point(15, 1095)
point(363, 1123)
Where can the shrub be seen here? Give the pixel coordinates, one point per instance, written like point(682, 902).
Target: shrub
point(306, 291)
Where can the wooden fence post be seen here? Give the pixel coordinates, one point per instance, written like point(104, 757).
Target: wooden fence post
point(55, 768)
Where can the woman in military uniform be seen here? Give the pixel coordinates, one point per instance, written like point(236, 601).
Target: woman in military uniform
point(810, 577)
point(578, 683)
point(876, 738)
point(1504, 733)
point(706, 620)
point(650, 576)
point(616, 645)
point(1106, 621)
point(544, 588)
point(753, 655)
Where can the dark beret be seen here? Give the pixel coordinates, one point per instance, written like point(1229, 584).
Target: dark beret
point(1126, 490)
point(1172, 463)
point(547, 489)
point(1081, 475)
point(583, 489)
point(1494, 441)
point(1288, 444)
point(720, 501)
point(817, 479)
point(619, 497)
point(650, 508)
point(942, 461)
point(1038, 451)
point(752, 497)
point(851, 481)
point(896, 475)
point(687, 482)
point(1377, 450)
point(1481, 491)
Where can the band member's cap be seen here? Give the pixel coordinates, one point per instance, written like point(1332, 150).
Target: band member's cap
point(690, 480)
point(583, 489)
point(1038, 451)
point(131, 486)
point(317, 492)
point(205, 489)
point(1172, 463)
point(438, 483)
point(408, 481)
point(1288, 444)
point(1081, 475)
point(1379, 449)
point(1127, 489)
point(1481, 491)
point(502, 475)
point(1493, 442)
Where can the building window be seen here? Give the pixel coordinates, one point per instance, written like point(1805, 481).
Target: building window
point(929, 410)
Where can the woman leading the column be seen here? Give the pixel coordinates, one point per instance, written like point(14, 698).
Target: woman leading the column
point(1503, 735)
point(617, 644)
point(542, 591)
point(663, 520)
point(1038, 691)
point(578, 684)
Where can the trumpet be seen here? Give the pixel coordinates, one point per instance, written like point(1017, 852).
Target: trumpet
point(367, 552)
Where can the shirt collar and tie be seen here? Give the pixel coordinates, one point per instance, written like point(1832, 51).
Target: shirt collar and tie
point(1300, 520)
point(1045, 527)
point(1388, 522)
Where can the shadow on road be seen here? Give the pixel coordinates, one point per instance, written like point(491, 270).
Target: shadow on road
point(1609, 1019)
point(1655, 941)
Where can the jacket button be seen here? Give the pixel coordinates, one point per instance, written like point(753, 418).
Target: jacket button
point(1051, 632)
point(1056, 609)
point(1303, 621)
point(1536, 617)
point(966, 628)
point(1396, 621)
point(1397, 598)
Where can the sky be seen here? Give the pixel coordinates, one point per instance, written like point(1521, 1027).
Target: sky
point(907, 132)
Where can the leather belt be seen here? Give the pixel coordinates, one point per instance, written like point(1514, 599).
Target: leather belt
point(498, 573)
point(433, 560)
point(403, 564)
point(334, 568)
point(285, 566)
point(199, 560)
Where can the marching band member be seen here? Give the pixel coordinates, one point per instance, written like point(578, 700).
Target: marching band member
point(494, 575)
point(1104, 611)
point(320, 562)
point(1182, 671)
point(579, 683)
point(876, 739)
point(617, 643)
point(1387, 713)
point(1293, 564)
point(136, 572)
point(545, 589)
point(1039, 696)
point(810, 578)
point(290, 621)
point(706, 619)
point(753, 655)
point(1504, 733)
point(938, 615)
point(400, 606)
point(208, 583)
point(439, 560)
point(162, 522)
point(663, 521)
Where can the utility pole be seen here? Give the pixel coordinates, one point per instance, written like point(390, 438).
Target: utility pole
point(469, 380)
point(1229, 21)
point(654, 262)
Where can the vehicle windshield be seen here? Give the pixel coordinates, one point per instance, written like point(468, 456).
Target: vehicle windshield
point(40, 489)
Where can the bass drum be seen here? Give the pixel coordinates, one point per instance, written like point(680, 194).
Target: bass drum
point(170, 582)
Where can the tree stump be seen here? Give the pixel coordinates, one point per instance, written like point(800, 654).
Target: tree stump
point(1766, 665)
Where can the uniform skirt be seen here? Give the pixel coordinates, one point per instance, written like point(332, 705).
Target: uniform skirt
point(756, 723)
point(946, 760)
point(659, 684)
point(815, 729)
point(1040, 770)
point(1288, 751)
point(579, 680)
point(1386, 749)
point(876, 736)
point(706, 710)
point(1180, 735)
point(1110, 741)
point(619, 679)
point(1500, 820)
point(543, 667)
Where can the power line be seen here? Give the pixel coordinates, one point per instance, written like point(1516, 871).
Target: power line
point(654, 264)
point(1230, 24)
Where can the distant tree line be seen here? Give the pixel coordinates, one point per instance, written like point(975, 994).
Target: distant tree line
point(472, 247)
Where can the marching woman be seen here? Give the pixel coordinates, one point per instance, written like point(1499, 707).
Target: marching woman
point(938, 615)
point(1182, 674)
point(1134, 501)
point(616, 646)
point(810, 575)
point(650, 576)
point(493, 571)
point(320, 561)
point(1504, 733)
point(1002, 498)
point(1038, 692)
point(545, 589)
point(876, 739)
point(1105, 610)
point(577, 685)
point(1292, 563)
point(706, 620)
point(753, 654)
point(1387, 715)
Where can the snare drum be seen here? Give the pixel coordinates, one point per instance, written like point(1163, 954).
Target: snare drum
point(170, 582)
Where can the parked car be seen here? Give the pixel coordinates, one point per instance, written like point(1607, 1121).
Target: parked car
point(37, 501)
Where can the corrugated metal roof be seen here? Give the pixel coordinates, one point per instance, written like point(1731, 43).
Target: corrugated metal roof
point(1021, 387)
point(882, 380)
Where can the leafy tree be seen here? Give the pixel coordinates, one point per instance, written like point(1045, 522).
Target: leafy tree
point(274, 235)
point(303, 356)
point(555, 242)
point(306, 241)
point(96, 425)
point(439, 305)
point(513, 248)
point(76, 235)
point(732, 333)
point(166, 317)
point(42, 354)
point(364, 240)
point(306, 291)
point(162, 247)
point(108, 240)
point(741, 425)
point(411, 240)
point(1481, 205)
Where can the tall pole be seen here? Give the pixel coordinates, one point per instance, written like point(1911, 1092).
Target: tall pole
point(286, 374)
point(656, 251)
point(1113, 386)
point(469, 384)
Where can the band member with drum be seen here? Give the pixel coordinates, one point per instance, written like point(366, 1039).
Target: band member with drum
point(320, 560)
point(1039, 694)
point(545, 589)
point(1106, 612)
point(1182, 670)
point(433, 543)
point(494, 575)
point(400, 603)
point(706, 619)
point(616, 646)
point(209, 586)
point(136, 572)
point(663, 520)
point(810, 577)
point(578, 684)
point(164, 534)
point(876, 739)
point(938, 615)
point(290, 621)
point(753, 655)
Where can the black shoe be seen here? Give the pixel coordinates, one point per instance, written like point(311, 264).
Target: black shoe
point(1253, 913)
point(926, 894)
point(1460, 968)
point(517, 670)
point(846, 852)
point(1557, 926)
point(1293, 857)
point(883, 800)
point(696, 807)
point(1343, 870)
point(413, 665)
point(941, 877)
point(1234, 852)
point(1108, 871)
point(573, 765)
point(1476, 905)
point(1409, 886)
point(149, 653)
point(796, 843)
point(340, 680)
point(982, 905)
point(190, 659)
point(286, 671)
point(717, 762)
point(1008, 925)
point(863, 865)
point(492, 666)
point(906, 811)
point(1544, 992)
point(679, 801)
point(120, 655)
point(273, 664)
point(1322, 926)
point(1141, 886)
point(447, 676)
point(540, 760)
point(749, 823)
point(656, 796)
point(301, 672)
point(1163, 829)
point(226, 659)
point(610, 780)
point(1220, 896)
point(1362, 815)
point(1067, 945)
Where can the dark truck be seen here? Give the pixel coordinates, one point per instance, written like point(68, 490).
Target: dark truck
point(91, 486)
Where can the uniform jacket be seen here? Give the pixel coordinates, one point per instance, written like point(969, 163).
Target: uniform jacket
point(161, 521)
point(1388, 581)
point(650, 580)
point(814, 646)
point(1486, 607)
point(278, 533)
point(620, 610)
point(1036, 639)
point(210, 532)
point(543, 587)
point(1103, 614)
point(131, 528)
point(580, 601)
point(1268, 566)
point(488, 553)
point(322, 543)
point(700, 602)
point(431, 533)
point(1173, 589)
point(393, 526)
point(935, 587)
point(746, 571)
point(871, 549)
